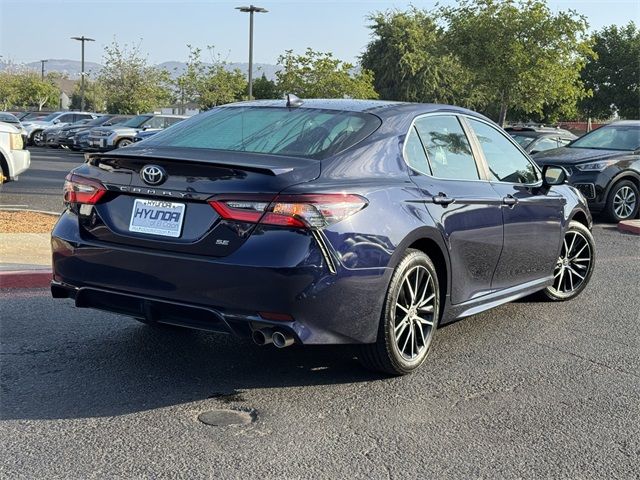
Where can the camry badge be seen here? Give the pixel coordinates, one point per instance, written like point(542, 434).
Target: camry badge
point(153, 174)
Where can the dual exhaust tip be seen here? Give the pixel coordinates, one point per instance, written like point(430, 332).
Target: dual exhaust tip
point(265, 336)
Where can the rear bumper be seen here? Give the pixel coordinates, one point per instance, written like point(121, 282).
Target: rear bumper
point(230, 294)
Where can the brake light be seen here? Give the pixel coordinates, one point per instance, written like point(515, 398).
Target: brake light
point(82, 190)
point(297, 211)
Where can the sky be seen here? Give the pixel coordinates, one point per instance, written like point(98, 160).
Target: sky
point(31, 30)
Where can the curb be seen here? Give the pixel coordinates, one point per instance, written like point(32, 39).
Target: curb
point(25, 279)
point(9, 208)
point(629, 226)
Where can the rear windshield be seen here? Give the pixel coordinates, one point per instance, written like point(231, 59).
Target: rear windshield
point(8, 118)
point(522, 139)
point(300, 132)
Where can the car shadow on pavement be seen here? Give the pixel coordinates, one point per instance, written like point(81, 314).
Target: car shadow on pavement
point(132, 368)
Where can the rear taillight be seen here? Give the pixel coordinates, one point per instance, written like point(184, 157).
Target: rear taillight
point(81, 190)
point(297, 211)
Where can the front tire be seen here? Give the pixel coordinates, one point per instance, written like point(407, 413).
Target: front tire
point(124, 142)
point(575, 264)
point(409, 318)
point(37, 138)
point(623, 201)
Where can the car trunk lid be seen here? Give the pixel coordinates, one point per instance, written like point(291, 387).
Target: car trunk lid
point(191, 178)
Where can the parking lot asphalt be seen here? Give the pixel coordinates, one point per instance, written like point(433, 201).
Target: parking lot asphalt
point(40, 187)
point(528, 390)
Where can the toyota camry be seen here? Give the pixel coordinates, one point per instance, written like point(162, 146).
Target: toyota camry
point(321, 222)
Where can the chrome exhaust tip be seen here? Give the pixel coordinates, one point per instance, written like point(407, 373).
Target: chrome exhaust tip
point(281, 339)
point(262, 336)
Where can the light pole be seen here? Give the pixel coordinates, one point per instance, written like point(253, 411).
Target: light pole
point(82, 39)
point(42, 68)
point(250, 10)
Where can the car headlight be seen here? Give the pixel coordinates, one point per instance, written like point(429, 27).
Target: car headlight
point(15, 141)
point(598, 166)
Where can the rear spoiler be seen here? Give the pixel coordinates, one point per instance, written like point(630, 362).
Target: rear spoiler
point(261, 163)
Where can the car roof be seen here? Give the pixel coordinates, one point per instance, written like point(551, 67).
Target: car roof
point(382, 108)
point(632, 123)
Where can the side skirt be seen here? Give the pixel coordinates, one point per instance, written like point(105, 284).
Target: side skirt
point(492, 300)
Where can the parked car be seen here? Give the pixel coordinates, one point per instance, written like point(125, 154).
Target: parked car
point(538, 139)
point(323, 221)
point(6, 117)
point(35, 128)
point(605, 166)
point(14, 159)
point(118, 136)
point(66, 137)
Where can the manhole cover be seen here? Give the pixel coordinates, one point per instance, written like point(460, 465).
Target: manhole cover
point(222, 418)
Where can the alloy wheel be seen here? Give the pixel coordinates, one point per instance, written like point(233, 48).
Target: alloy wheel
point(573, 264)
point(413, 313)
point(624, 202)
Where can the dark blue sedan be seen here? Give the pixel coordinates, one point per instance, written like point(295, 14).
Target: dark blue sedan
point(321, 222)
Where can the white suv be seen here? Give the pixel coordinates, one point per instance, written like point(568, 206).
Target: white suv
point(13, 158)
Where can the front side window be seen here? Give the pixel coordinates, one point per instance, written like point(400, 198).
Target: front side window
point(506, 163)
point(67, 118)
point(155, 122)
point(447, 147)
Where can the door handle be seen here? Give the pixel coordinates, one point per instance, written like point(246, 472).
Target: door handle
point(509, 200)
point(442, 199)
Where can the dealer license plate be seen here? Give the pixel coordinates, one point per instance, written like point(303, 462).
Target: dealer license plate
point(157, 217)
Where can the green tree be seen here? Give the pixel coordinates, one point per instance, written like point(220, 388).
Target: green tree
point(521, 53)
point(409, 59)
point(221, 86)
point(209, 85)
point(28, 90)
point(614, 75)
point(130, 84)
point(263, 88)
point(94, 96)
point(8, 90)
point(189, 82)
point(320, 75)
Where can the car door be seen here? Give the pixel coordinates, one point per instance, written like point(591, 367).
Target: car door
point(464, 206)
point(533, 216)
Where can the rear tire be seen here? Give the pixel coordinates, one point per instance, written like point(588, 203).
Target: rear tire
point(575, 264)
point(409, 318)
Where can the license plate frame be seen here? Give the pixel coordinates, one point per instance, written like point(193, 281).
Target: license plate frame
point(157, 217)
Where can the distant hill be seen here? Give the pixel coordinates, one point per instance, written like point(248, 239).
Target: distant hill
point(72, 69)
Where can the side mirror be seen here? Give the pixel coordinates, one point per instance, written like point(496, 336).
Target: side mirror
point(553, 175)
point(56, 121)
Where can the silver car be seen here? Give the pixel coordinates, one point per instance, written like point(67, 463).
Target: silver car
point(121, 135)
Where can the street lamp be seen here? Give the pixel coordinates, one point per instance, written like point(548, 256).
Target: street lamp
point(82, 39)
point(42, 62)
point(250, 10)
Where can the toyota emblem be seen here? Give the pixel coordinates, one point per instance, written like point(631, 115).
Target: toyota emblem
point(153, 174)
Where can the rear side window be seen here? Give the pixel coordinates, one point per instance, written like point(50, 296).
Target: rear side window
point(414, 153)
point(298, 132)
point(447, 147)
point(506, 163)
